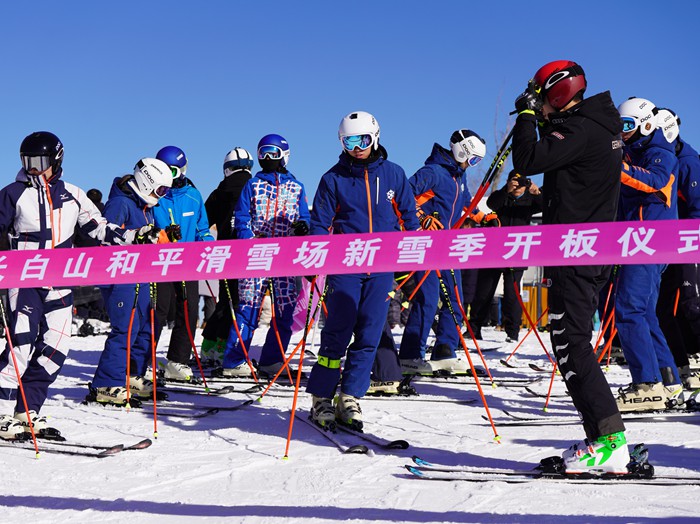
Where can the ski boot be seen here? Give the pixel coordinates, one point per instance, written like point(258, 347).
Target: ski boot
point(406, 389)
point(348, 412)
point(322, 413)
point(642, 397)
point(385, 388)
point(140, 387)
point(40, 425)
point(11, 428)
point(606, 455)
point(416, 366)
point(240, 371)
point(111, 396)
point(177, 372)
point(270, 370)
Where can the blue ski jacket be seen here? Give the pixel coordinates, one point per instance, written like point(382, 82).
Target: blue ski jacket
point(187, 208)
point(440, 186)
point(688, 180)
point(125, 208)
point(357, 197)
point(269, 204)
point(649, 182)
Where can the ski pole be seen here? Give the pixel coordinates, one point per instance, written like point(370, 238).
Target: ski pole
point(301, 361)
point(529, 319)
point(189, 335)
point(128, 348)
point(273, 321)
point(19, 376)
point(549, 391)
point(154, 301)
point(211, 291)
point(530, 330)
point(238, 331)
point(469, 328)
point(294, 351)
point(448, 302)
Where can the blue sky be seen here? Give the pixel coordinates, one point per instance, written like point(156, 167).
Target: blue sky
point(118, 80)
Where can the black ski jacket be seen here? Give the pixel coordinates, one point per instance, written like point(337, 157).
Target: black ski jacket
point(222, 202)
point(580, 154)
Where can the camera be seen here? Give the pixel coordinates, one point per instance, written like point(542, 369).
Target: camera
point(523, 181)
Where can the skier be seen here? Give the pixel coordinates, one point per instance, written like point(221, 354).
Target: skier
point(682, 281)
point(40, 210)
point(514, 205)
point(220, 207)
point(363, 193)
point(182, 210)
point(648, 193)
point(130, 202)
point(441, 194)
point(580, 153)
point(272, 204)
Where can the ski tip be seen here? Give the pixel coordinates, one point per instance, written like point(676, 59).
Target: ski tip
point(414, 470)
point(398, 444)
point(419, 461)
point(111, 451)
point(359, 449)
point(145, 443)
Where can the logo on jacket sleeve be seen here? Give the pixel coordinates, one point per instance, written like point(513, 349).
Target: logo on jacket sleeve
point(390, 195)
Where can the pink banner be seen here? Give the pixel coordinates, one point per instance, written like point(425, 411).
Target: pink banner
point(668, 241)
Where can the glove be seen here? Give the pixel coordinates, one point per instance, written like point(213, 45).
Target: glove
point(173, 232)
point(491, 220)
point(300, 228)
point(147, 235)
point(528, 100)
point(430, 223)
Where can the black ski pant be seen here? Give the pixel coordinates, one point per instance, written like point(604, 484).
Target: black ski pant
point(219, 325)
point(386, 365)
point(486, 284)
point(180, 347)
point(680, 324)
point(573, 298)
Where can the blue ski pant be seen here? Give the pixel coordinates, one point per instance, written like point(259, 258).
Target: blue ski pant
point(356, 303)
point(40, 326)
point(251, 294)
point(423, 311)
point(643, 342)
point(119, 301)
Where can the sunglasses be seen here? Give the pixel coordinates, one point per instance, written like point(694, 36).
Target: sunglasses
point(353, 141)
point(271, 152)
point(628, 124)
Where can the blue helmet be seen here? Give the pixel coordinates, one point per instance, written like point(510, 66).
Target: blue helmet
point(274, 147)
point(175, 158)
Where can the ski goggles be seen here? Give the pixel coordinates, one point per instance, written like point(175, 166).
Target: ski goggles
point(161, 191)
point(353, 141)
point(271, 152)
point(474, 160)
point(40, 163)
point(178, 171)
point(629, 124)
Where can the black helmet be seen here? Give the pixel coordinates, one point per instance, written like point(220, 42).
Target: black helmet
point(40, 151)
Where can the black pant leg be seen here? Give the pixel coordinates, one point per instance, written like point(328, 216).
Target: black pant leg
point(510, 306)
point(180, 345)
point(486, 283)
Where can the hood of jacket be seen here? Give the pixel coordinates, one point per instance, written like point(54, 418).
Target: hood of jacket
point(443, 157)
point(599, 108)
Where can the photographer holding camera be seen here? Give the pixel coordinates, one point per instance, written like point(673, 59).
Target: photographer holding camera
point(514, 204)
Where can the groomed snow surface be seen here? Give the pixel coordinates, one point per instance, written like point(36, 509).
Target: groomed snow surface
point(229, 467)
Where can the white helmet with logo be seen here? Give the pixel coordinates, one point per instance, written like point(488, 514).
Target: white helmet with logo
point(467, 146)
point(359, 123)
point(638, 114)
point(669, 123)
point(152, 180)
point(238, 159)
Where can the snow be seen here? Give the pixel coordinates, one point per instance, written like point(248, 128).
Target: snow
point(230, 467)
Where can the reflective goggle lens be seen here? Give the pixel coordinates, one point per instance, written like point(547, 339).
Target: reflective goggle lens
point(40, 163)
point(353, 141)
point(161, 191)
point(243, 163)
point(628, 124)
point(271, 152)
point(474, 160)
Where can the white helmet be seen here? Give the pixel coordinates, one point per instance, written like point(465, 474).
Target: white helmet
point(152, 180)
point(359, 123)
point(467, 146)
point(238, 159)
point(638, 113)
point(669, 123)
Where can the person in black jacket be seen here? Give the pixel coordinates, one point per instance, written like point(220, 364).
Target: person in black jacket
point(514, 204)
point(580, 154)
point(220, 207)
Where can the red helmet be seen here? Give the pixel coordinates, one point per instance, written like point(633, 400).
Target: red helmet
point(560, 81)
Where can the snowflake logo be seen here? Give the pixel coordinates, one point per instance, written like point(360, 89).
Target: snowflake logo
point(390, 195)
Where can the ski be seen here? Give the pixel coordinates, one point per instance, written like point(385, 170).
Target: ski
point(109, 450)
point(651, 416)
point(359, 449)
point(374, 439)
point(464, 379)
point(28, 445)
point(199, 390)
point(544, 395)
point(539, 368)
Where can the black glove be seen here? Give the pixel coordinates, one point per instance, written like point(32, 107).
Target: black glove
point(147, 235)
point(300, 228)
point(528, 100)
point(173, 232)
